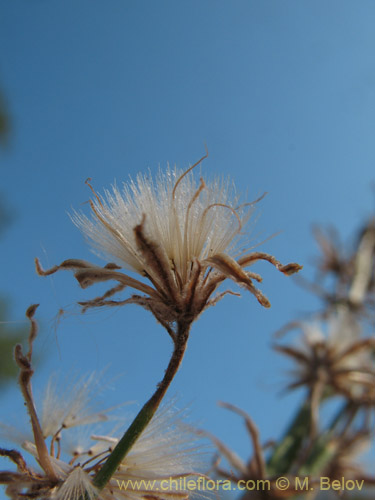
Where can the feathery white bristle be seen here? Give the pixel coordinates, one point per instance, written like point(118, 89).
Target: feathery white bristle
point(77, 485)
point(187, 225)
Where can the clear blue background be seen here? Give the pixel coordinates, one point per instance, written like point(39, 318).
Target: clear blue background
point(282, 92)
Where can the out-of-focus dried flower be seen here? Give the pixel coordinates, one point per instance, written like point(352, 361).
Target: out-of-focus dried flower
point(339, 362)
point(351, 274)
point(333, 260)
point(344, 462)
point(253, 474)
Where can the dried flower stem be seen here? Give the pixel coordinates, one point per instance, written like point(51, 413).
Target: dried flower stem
point(26, 372)
point(147, 412)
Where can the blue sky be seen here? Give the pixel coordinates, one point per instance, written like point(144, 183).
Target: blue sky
point(282, 93)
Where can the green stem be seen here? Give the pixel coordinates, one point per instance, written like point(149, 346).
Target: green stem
point(286, 451)
point(146, 413)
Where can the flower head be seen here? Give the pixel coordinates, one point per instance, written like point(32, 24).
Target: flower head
point(182, 235)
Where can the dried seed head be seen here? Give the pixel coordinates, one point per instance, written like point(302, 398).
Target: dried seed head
point(339, 361)
point(183, 235)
